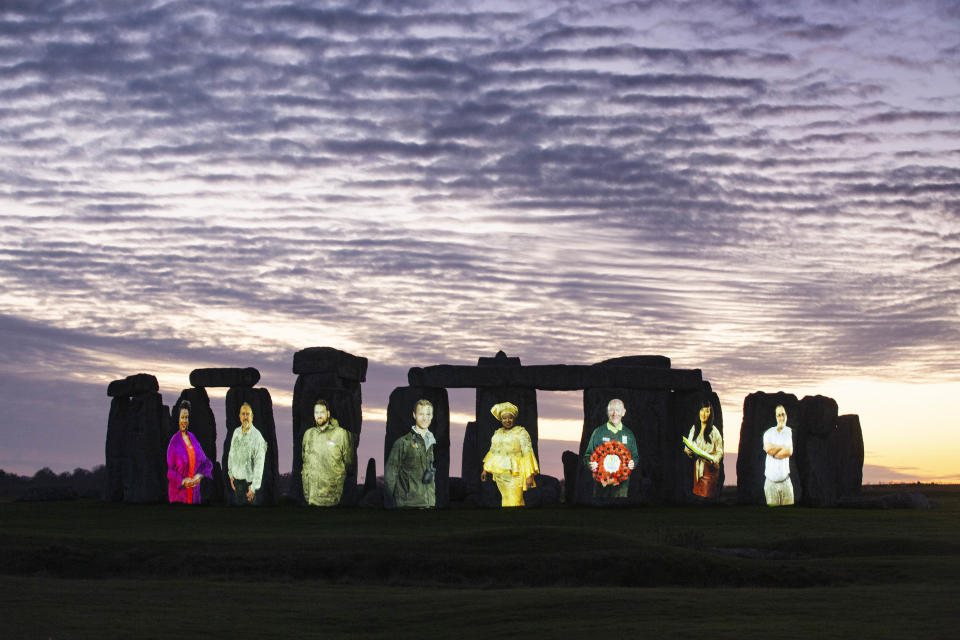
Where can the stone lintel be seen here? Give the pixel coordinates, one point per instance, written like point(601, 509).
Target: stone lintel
point(134, 385)
point(225, 377)
point(330, 360)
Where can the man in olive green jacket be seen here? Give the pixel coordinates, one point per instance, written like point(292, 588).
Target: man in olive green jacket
point(409, 475)
point(327, 452)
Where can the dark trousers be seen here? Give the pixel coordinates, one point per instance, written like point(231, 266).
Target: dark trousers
point(239, 497)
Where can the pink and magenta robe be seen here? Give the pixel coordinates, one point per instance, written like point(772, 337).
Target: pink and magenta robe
point(185, 462)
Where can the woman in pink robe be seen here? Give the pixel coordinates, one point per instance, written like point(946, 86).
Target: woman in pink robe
point(186, 463)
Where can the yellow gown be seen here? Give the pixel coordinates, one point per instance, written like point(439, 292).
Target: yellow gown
point(511, 461)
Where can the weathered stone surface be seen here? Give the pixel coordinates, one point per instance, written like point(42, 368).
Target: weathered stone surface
point(758, 416)
point(458, 490)
point(135, 447)
point(526, 401)
point(399, 421)
point(203, 425)
point(817, 451)
point(818, 414)
point(116, 428)
point(330, 360)
point(470, 464)
point(850, 455)
point(134, 385)
point(647, 417)
point(262, 406)
point(571, 469)
point(556, 377)
point(827, 463)
point(225, 377)
point(545, 494)
point(370, 476)
point(660, 362)
point(343, 399)
point(499, 360)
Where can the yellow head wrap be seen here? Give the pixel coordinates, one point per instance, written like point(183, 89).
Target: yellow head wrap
point(498, 410)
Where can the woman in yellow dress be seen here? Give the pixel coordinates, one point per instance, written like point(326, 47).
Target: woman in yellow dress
point(510, 459)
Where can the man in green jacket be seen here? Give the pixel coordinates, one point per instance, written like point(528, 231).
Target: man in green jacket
point(327, 452)
point(409, 475)
point(614, 430)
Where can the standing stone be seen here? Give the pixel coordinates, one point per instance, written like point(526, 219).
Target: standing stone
point(262, 405)
point(817, 449)
point(399, 421)
point(679, 468)
point(827, 461)
point(117, 423)
point(850, 455)
point(203, 425)
point(758, 416)
point(335, 376)
point(647, 417)
point(571, 470)
point(370, 476)
point(470, 464)
point(526, 401)
point(135, 450)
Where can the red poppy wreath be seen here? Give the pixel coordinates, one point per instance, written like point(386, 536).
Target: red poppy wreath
point(613, 463)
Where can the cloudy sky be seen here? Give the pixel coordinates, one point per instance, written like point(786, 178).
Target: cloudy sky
point(767, 191)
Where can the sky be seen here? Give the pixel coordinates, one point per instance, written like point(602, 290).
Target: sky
point(766, 191)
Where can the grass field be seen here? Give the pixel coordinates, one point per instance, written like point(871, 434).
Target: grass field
point(82, 569)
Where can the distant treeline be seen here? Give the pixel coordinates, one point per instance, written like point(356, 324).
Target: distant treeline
point(79, 483)
point(45, 484)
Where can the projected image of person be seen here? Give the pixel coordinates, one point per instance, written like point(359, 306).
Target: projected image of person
point(410, 471)
point(248, 451)
point(707, 452)
point(327, 452)
point(510, 460)
point(186, 462)
point(616, 443)
point(778, 445)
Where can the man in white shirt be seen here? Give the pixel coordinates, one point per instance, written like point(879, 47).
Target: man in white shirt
point(248, 450)
point(778, 445)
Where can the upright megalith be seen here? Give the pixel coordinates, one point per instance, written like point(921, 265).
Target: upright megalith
point(499, 389)
point(817, 451)
point(261, 407)
point(759, 415)
point(203, 425)
point(470, 464)
point(416, 473)
point(824, 457)
point(850, 455)
point(638, 436)
point(135, 447)
point(683, 470)
point(571, 471)
point(334, 376)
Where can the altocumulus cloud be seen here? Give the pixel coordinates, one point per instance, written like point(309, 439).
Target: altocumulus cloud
point(761, 191)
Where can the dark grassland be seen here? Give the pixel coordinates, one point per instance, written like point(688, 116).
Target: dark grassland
point(79, 569)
